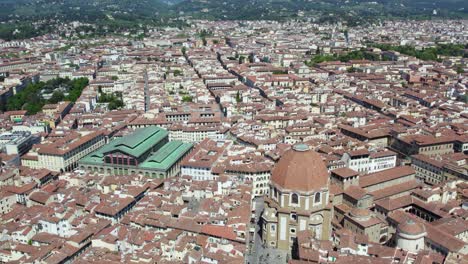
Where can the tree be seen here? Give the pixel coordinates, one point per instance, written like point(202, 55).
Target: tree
point(77, 86)
point(117, 104)
point(432, 53)
point(187, 99)
point(177, 73)
point(251, 58)
point(204, 33)
point(57, 96)
point(30, 98)
point(114, 78)
point(266, 59)
point(238, 97)
point(279, 72)
point(463, 98)
point(114, 101)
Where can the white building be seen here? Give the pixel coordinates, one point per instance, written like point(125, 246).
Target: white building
point(17, 143)
point(365, 162)
point(199, 163)
point(410, 236)
point(196, 134)
point(56, 226)
point(7, 200)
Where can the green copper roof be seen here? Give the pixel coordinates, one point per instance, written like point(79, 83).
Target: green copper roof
point(301, 147)
point(139, 142)
point(166, 156)
point(135, 144)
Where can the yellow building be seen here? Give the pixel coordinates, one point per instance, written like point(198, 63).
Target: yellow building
point(298, 199)
point(16, 116)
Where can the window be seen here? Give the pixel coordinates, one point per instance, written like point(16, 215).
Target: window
point(317, 198)
point(294, 198)
point(293, 217)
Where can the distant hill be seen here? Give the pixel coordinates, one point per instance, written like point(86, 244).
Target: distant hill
point(277, 9)
point(226, 9)
point(80, 9)
point(18, 17)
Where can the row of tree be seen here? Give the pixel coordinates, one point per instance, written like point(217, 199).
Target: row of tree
point(31, 98)
point(352, 55)
point(428, 54)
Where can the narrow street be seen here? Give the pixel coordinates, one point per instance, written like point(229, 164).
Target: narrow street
point(256, 240)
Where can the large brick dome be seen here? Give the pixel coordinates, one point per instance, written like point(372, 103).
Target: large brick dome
point(300, 169)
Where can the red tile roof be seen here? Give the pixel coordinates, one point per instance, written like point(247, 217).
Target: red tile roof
point(219, 231)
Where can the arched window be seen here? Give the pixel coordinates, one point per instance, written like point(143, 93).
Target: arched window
point(294, 198)
point(317, 198)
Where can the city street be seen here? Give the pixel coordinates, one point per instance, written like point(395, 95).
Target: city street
point(260, 254)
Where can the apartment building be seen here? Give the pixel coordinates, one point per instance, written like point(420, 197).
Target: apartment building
point(64, 153)
point(364, 161)
point(424, 144)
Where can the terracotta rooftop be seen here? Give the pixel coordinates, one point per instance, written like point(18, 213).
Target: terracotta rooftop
point(385, 175)
point(344, 172)
point(410, 227)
